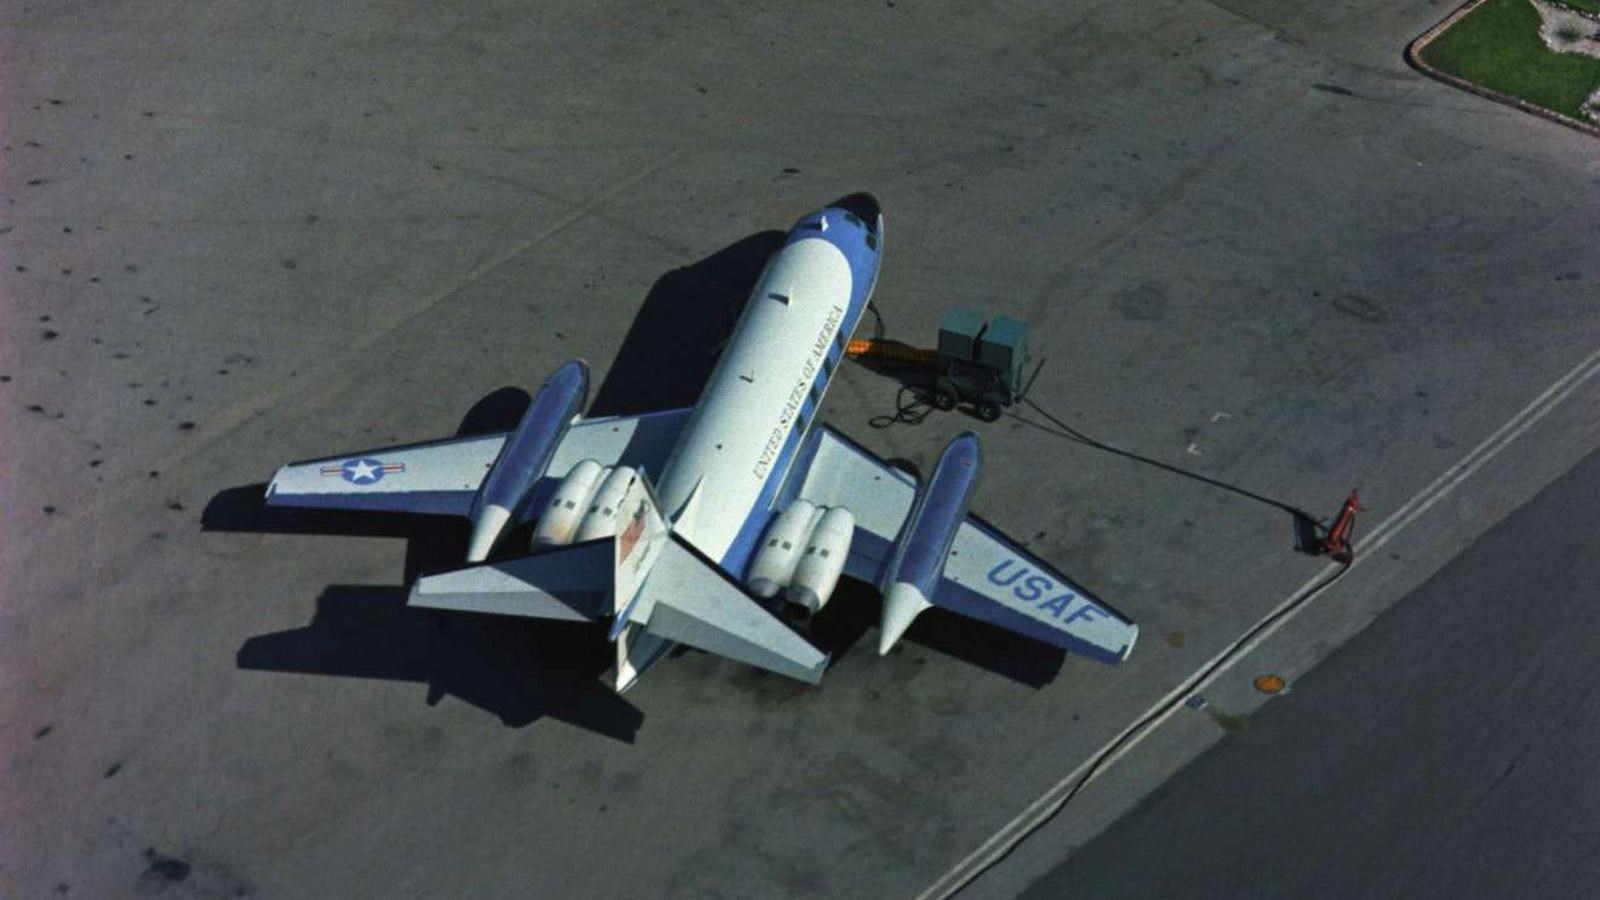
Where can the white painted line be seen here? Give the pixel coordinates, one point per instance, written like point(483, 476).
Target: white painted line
point(1051, 801)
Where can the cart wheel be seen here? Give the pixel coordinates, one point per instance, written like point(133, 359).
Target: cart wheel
point(944, 398)
point(988, 408)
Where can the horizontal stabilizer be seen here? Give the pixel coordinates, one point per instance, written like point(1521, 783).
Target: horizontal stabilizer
point(571, 584)
point(691, 601)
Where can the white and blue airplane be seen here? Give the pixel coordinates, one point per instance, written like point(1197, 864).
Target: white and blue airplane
point(696, 525)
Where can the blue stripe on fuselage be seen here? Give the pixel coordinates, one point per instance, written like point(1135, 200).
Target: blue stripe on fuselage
point(851, 241)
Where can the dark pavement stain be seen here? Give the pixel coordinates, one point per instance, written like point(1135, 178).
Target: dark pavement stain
point(163, 869)
point(112, 770)
point(43, 731)
point(175, 506)
point(1144, 303)
point(1333, 89)
point(49, 335)
point(1364, 308)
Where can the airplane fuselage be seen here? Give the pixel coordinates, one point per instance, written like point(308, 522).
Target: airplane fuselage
point(720, 481)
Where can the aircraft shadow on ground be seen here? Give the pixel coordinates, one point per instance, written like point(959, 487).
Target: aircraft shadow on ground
point(521, 670)
point(672, 345)
point(517, 669)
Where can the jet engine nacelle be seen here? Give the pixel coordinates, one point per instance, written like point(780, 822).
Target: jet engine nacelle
point(601, 519)
point(821, 563)
point(803, 553)
point(780, 552)
point(564, 511)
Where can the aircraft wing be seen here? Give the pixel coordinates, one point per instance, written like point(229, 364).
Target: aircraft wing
point(442, 477)
point(987, 576)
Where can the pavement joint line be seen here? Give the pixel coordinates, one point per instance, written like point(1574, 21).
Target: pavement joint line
point(1008, 836)
point(240, 411)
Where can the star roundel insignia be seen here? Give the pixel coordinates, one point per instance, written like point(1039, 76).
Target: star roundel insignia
point(362, 471)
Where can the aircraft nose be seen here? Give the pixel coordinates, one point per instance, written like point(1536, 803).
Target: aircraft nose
point(864, 205)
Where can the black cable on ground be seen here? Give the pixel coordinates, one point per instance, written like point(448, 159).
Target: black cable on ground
point(918, 409)
point(906, 412)
point(878, 327)
point(1073, 434)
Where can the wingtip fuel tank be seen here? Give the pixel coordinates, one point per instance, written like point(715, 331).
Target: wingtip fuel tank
point(525, 456)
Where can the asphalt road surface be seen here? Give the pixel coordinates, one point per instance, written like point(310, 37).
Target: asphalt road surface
point(1448, 751)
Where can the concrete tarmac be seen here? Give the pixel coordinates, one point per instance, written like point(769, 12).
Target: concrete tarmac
point(1445, 752)
point(1251, 243)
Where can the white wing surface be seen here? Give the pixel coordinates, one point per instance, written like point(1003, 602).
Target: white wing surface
point(987, 576)
point(439, 478)
point(442, 477)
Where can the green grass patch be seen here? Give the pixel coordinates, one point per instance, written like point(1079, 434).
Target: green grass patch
point(1585, 5)
point(1498, 46)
